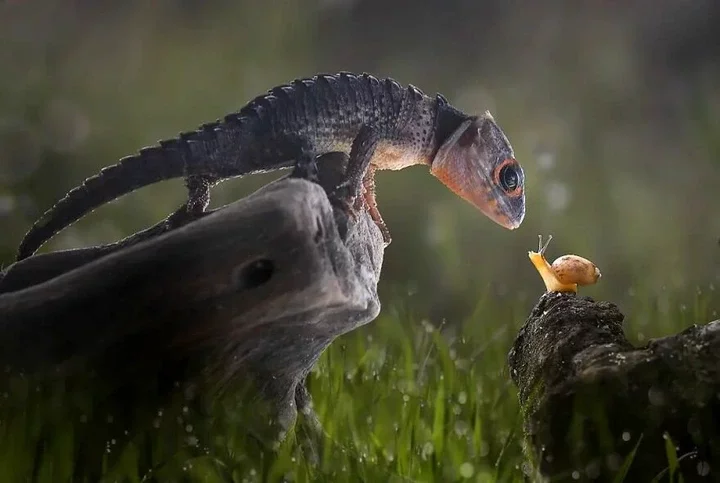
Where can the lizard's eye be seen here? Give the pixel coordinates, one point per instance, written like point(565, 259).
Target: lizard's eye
point(507, 176)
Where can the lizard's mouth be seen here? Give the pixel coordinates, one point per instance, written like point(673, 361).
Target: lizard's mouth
point(509, 222)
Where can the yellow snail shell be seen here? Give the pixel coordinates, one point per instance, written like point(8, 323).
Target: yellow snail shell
point(566, 272)
point(575, 269)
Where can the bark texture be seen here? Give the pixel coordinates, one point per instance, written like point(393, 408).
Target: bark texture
point(590, 398)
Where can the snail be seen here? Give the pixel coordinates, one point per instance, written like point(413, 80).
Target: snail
point(566, 272)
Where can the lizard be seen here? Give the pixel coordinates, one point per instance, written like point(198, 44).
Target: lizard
point(308, 117)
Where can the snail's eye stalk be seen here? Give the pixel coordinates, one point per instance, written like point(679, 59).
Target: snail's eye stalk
point(541, 247)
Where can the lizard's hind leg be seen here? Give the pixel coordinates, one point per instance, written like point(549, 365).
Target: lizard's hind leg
point(198, 187)
point(305, 167)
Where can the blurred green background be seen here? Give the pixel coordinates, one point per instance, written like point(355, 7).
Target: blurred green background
point(613, 109)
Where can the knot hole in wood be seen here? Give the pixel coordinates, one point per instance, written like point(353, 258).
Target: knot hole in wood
point(253, 274)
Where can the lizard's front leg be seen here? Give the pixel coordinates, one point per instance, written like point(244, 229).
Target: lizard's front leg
point(348, 192)
point(360, 178)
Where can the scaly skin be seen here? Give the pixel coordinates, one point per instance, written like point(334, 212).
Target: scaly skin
point(312, 117)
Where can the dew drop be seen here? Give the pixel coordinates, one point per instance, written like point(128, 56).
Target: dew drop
point(427, 450)
point(484, 448)
point(613, 461)
point(467, 470)
point(656, 396)
point(461, 428)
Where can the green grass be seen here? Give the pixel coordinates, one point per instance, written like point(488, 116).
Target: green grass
point(418, 402)
point(400, 400)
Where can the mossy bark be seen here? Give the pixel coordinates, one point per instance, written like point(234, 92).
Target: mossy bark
point(592, 401)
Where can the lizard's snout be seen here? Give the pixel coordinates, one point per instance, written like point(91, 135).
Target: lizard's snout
point(511, 221)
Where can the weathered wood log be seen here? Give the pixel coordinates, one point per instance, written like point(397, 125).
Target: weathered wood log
point(249, 294)
point(40, 268)
point(590, 399)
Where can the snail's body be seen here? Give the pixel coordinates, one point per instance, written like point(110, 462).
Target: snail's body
point(566, 273)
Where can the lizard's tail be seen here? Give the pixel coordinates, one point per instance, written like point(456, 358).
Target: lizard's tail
point(149, 166)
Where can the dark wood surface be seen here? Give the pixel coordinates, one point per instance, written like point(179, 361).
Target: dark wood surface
point(589, 397)
point(251, 293)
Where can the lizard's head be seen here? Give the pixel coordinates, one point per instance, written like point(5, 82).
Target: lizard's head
point(478, 164)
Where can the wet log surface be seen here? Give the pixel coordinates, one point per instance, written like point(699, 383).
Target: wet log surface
point(590, 398)
point(247, 296)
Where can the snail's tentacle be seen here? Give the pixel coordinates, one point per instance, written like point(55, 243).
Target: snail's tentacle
point(541, 247)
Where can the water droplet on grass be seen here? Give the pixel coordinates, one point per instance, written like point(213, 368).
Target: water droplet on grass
point(467, 470)
point(703, 468)
point(461, 428)
point(427, 450)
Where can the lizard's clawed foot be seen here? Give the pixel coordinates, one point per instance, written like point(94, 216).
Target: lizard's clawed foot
point(195, 207)
point(361, 153)
point(198, 187)
point(357, 190)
